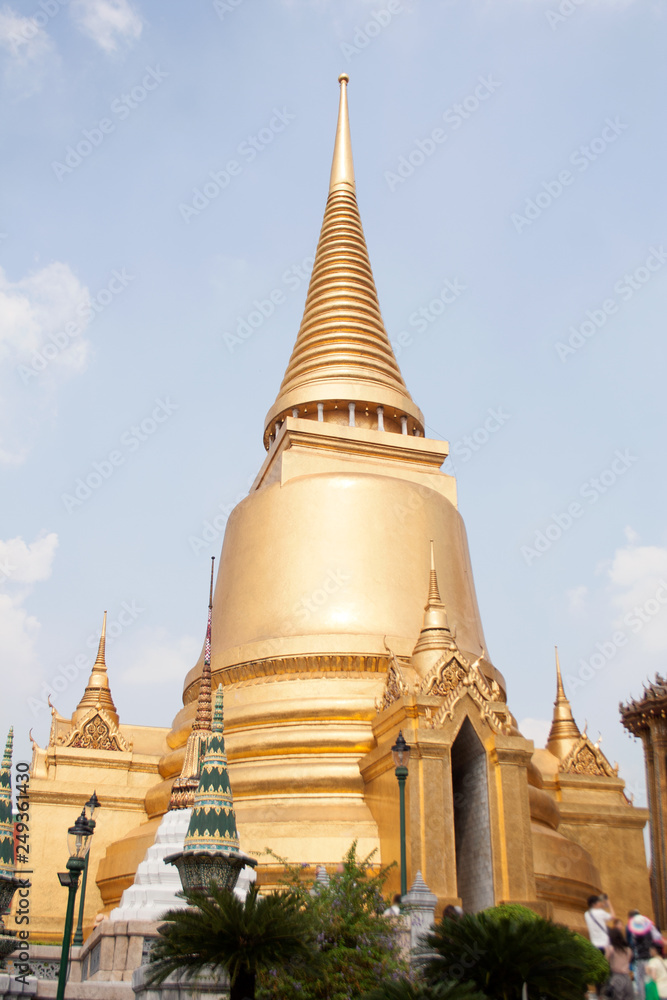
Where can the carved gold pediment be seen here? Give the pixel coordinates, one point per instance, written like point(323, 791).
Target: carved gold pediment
point(586, 758)
point(395, 686)
point(452, 677)
point(449, 672)
point(96, 732)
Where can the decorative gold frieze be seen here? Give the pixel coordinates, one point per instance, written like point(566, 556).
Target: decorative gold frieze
point(97, 732)
point(587, 758)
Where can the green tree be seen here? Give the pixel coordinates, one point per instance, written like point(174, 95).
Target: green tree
point(500, 949)
point(358, 946)
point(219, 931)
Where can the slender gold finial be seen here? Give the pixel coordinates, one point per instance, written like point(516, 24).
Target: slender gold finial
point(564, 731)
point(560, 690)
point(433, 592)
point(101, 649)
point(342, 167)
point(98, 692)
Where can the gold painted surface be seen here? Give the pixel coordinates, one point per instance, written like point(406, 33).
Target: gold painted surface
point(342, 352)
point(62, 779)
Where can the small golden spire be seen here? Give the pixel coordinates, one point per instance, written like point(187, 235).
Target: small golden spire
point(342, 167)
point(435, 635)
point(101, 649)
point(342, 354)
point(433, 592)
point(564, 731)
point(98, 692)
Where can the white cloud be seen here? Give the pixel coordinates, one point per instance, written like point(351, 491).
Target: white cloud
point(35, 352)
point(158, 657)
point(536, 730)
point(109, 23)
point(28, 52)
point(638, 587)
point(23, 563)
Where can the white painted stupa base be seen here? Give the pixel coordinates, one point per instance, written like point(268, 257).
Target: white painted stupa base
point(156, 884)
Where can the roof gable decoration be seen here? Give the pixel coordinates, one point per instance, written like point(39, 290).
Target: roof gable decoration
point(586, 757)
point(97, 731)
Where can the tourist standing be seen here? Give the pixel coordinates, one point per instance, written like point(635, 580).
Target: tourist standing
point(640, 934)
point(598, 915)
point(619, 956)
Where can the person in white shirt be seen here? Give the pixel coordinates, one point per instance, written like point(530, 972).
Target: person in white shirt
point(656, 969)
point(597, 916)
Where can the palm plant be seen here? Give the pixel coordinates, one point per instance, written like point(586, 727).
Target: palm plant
point(219, 931)
point(403, 989)
point(499, 950)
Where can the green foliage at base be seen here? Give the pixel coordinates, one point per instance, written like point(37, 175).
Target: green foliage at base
point(219, 931)
point(358, 946)
point(500, 949)
point(403, 989)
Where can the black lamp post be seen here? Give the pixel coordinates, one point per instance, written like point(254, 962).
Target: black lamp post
point(89, 809)
point(78, 842)
point(401, 753)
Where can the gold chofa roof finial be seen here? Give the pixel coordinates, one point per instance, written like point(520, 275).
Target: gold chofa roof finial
point(564, 731)
point(98, 691)
point(343, 359)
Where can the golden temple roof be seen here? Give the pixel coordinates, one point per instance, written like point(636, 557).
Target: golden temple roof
point(342, 353)
point(98, 692)
point(564, 731)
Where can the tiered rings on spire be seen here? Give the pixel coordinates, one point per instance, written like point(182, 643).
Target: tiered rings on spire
point(343, 362)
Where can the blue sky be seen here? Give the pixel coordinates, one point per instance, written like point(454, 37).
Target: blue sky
point(512, 151)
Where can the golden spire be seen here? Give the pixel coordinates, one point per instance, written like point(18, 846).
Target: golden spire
point(342, 355)
point(564, 731)
point(342, 167)
point(433, 592)
point(436, 634)
point(98, 693)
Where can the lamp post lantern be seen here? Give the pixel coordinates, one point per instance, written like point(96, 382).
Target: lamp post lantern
point(401, 753)
point(91, 806)
point(78, 842)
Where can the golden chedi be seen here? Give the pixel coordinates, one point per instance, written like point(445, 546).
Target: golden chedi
point(345, 611)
